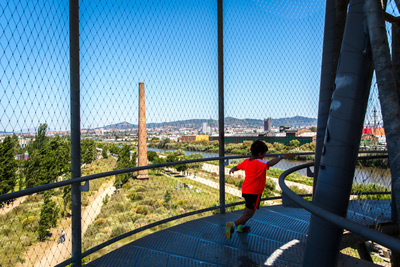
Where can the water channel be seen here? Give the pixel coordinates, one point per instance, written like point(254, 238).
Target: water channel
point(363, 175)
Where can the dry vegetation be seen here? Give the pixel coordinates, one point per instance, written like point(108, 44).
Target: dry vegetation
point(140, 203)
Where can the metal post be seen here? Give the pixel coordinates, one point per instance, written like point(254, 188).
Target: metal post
point(335, 19)
point(75, 132)
point(342, 138)
point(221, 121)
point(388, 91)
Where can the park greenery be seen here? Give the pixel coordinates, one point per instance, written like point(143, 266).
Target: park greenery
point(134, 204)
point(237, 149)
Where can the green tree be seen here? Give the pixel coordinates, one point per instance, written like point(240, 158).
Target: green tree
point(41, 140)
point(48, 159)
point(151, 155)
point(182, 167)
point(171, 158)
point(196, 165)
point(158, 161)
point(163, 143)
point(113, 149)
point(66, 199)
point(48, 215)
point(313, 129)
point(104, 153)
point(294, 143)
point(88, 151)
point(278, 146)
point(8, 165)
point(125, 160)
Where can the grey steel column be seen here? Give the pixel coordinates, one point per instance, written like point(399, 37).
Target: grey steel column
point(388, 91)
point(221, 115)
point(335, 19)
point(396, 66)
point(342, 138)
point(75, 131)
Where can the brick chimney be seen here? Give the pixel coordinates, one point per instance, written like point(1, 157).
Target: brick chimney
point(142, 147)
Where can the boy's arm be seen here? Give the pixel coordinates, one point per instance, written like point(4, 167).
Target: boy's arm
point(274, 161)
point(233, 170)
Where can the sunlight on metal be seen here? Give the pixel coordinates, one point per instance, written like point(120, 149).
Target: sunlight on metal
point(275, 255)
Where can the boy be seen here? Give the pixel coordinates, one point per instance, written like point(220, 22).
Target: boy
point(253, 186)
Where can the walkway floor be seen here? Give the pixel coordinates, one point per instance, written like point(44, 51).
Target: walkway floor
point(276, 239)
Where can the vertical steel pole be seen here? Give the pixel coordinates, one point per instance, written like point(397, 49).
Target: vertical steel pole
point(221, 121)
point(342, 139)
point(335, 19)
point(75, 131)
point(395, 257)
point(388, 91)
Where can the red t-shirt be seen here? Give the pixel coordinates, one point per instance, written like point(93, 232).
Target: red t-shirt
point(255, 175)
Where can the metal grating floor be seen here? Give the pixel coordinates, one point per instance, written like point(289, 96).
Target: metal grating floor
point(276, 239)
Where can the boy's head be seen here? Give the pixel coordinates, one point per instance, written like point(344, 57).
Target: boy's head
point(258, 147)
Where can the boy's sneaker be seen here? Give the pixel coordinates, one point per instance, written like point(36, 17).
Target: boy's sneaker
point(230, 228)
point(243, 229)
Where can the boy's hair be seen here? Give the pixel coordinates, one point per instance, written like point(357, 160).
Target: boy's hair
point(258, 147)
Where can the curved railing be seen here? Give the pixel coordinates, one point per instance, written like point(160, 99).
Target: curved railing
point(368, 233)
point(373, 235)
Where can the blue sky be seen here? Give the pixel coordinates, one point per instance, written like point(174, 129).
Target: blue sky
point(272, 60)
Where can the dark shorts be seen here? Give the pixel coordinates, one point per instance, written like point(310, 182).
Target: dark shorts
point(252, 201)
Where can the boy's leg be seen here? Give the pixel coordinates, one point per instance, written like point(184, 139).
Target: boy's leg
point(247, 214)
point(252, 203)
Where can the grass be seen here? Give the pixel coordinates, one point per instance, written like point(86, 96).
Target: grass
point(140, 203)
point(18, 228)
point(354, 253)
point(294, 177)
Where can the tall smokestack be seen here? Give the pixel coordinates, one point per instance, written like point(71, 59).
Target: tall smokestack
point(142, 147)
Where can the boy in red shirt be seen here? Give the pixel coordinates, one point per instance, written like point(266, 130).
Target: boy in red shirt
point(255, 169)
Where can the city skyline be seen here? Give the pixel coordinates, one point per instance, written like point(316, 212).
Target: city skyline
point(272, 61)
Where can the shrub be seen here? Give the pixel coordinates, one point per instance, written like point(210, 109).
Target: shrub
point(142, 210)
point(105, 199)
point(182, 202)
point(25, 241)
point(117, 231)
point(298, 190)
point(270, 184)
point(118, 207)
point(141, 189)
point(132, 196)
point(30, 223)
point(361, 188)
point(126, 186)
point(100, 221)
point(21, 260)
point(167, 196)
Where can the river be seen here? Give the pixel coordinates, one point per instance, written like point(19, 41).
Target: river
point(363, 175)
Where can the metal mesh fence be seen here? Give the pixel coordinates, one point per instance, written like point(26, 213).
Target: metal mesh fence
point(272, 55)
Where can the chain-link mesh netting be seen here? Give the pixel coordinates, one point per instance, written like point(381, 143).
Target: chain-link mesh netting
point(272, 65)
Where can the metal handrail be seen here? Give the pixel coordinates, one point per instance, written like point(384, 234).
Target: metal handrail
point(45, 187)
point(368, 233)
point(81, 179)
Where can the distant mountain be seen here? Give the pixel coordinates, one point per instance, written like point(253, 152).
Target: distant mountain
point(297, 121)
point(120, 126)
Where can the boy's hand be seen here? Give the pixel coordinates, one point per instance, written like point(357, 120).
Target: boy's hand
point(233, 170)
point(288, 156)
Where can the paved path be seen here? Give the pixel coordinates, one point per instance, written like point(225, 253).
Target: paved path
point(6, 209)
point(60, 252)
